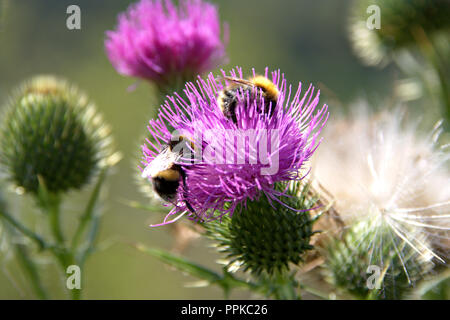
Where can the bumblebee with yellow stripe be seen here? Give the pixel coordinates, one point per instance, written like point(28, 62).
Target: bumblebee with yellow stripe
point(166, 174)
point(228, 97)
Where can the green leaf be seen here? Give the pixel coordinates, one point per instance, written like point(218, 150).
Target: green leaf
point(226, 280)
point(139, 205)
point(181, 264)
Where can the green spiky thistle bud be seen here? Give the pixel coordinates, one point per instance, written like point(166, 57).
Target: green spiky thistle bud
point(52, 132)
point(371, 262)
point(265, 239)
point(401, 24)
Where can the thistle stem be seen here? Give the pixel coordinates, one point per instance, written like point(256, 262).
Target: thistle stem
point(282, 286)
point(22, 253)
point(88, 220)
point(88, 215)
point(31, 269)
point(53, 211)
point(430, 53)
point(285, 289)
point(25, 231)
point(65, 256)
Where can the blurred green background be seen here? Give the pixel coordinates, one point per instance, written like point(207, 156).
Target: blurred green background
point(307, 40)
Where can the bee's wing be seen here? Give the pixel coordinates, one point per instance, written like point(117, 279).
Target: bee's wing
point(161, 162)
point(238, 80)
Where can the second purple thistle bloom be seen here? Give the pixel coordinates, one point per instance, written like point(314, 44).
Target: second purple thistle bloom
point(158, 41)
point(230, 162)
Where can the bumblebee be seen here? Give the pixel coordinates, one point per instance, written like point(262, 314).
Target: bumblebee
point(165, 174)
point(228, 98)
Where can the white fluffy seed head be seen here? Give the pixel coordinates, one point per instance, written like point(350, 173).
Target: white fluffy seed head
point(379, 167)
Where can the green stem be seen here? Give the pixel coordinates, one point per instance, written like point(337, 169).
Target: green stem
point(31, 269)
point(88, 215)
point(285, 288)
point(53, 211)
point(25, 231)
point(71, 260)
point(65, 256)
point(444, 87)
point(229, 281)
point(282, 286)
point(88, 219)
point(430, 53)
point(91, 238)
point(66, 259)
point(76, 294)
point(23, 256)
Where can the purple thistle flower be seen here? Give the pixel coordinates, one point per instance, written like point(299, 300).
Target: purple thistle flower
point(236, 162)
point(165, 44)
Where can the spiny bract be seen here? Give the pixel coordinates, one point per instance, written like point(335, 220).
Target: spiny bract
point(267, 236)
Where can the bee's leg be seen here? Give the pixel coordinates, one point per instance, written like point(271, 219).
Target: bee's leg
point(188, 205)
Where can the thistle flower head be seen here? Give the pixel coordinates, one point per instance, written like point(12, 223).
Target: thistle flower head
point(157, 41)
point(237, 161)
point(402, 24)
point(384, 171)
point(370, 261)
point(266, 238)
point(52, 131)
